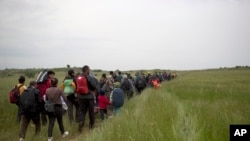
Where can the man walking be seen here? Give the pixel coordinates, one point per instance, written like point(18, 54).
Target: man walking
point(85, 87)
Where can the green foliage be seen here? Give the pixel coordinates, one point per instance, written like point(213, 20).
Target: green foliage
point(30, 73)
point(97, 70)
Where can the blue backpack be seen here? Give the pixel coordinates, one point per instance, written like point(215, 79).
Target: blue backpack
point(117, 97)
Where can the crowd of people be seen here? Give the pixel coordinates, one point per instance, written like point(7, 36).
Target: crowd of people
point(79, 94)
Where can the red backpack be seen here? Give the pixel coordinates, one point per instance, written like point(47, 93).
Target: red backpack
point(14, 94)
point(82, 85)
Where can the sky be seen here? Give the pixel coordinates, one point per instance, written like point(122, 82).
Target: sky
point(125, 34)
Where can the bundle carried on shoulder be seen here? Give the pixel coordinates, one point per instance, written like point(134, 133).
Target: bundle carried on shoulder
point(42, 76)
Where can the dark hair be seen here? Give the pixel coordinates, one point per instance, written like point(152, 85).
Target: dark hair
point(71, 72)
point(104, 75)
point(119, 73)
point(68, 77)
point(21, 79)
point(85, 68)
point(102, 92)
point(111, 72)
point(51, 72)
point(54, 82)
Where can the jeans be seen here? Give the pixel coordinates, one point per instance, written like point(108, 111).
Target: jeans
point(52, 118)
point(71, 102)
point(86, 105)
point(102, 113)
point(43, 115)
point(25, 122)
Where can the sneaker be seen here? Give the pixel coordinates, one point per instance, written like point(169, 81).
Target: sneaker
point(65, 134)
point(21, 139)
point(50, 139)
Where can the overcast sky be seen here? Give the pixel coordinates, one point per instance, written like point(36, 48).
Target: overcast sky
point(124, 34)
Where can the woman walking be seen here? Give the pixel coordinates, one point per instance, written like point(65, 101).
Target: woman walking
point(54, 94)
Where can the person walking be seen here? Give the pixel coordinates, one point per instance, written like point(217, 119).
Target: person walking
point(85, 87)
point(69, 87)
point(54, 95)
point(43, 83)
point(30, 108)
point(21, 87)
point(117, 98)
point(103, 103)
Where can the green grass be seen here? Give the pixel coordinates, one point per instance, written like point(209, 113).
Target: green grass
point(196, 106)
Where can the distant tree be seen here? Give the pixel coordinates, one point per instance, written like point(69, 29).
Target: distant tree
point(97, 70)
point(30, 73)
point(68, 66)
point(237, 67)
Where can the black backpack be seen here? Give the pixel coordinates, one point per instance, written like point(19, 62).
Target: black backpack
point(42, 76)
point(126, 85)
point(28, 103)
point(140, 83)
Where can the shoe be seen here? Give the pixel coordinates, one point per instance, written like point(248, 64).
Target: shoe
point(21, 139)
point(50, 139)
point(65, 134)
point(80, 127)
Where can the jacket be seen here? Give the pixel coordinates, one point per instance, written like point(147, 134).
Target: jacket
point(54, 94)
point(103, 102)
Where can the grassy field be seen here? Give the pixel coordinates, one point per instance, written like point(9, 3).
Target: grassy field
point(196, 106)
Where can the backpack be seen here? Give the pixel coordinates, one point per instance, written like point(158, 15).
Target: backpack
point(14, 94)
point(140, 83)
point(28, 101)
point(82, 85)
point(117, 97)
point(126, 85)
point(42, 76)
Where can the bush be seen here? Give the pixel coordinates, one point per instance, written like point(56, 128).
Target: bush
point(30, 73)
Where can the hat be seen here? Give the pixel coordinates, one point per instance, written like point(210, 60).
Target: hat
point(117, 84)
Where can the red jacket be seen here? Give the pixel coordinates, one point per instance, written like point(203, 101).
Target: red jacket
point(43, 87)
point(103, 102)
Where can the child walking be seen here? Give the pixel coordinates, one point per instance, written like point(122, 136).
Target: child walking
point(103, 104)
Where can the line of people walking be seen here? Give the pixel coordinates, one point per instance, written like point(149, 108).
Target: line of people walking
point(82, 93)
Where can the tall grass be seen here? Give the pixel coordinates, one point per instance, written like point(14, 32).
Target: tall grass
point(197, 106)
